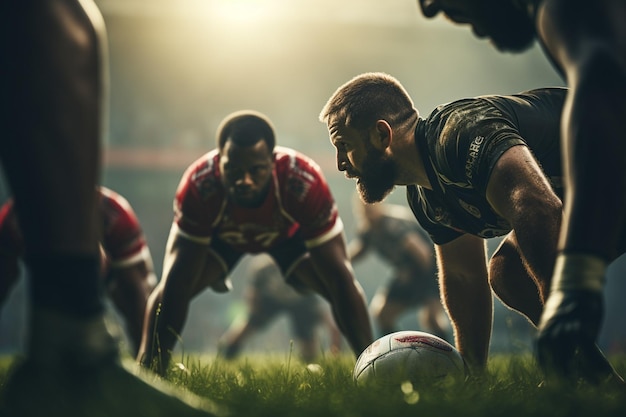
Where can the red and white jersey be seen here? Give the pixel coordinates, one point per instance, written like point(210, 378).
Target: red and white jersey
point(299, 199)
point(123, 241)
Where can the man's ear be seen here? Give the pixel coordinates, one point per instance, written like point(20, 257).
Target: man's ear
point(381, 135)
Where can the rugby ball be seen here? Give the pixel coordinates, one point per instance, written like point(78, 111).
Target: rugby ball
point(418, 357)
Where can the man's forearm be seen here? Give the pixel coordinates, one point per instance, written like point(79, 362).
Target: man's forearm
point(470, 307)
point(351, 315)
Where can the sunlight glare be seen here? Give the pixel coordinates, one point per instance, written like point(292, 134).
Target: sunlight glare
point(240, 10)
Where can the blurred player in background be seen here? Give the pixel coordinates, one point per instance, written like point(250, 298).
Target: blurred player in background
point(248, 196)
point(392, 232)
point(127, 268)
point(475, 168)
point(53, 96)
point(268, 297)
point(586, 42)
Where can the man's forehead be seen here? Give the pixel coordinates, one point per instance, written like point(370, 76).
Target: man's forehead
point(334, 122)
point(337, 127)
point(233, 151)
point(342, 132)
point(334, 130)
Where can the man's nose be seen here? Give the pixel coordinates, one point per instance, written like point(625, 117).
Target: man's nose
point(245, 179)
point(341, 163)
point(430, 8)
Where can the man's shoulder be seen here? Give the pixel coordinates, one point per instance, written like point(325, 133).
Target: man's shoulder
point(447, 121)
point(290, 161)
point(202, 175)
point(529, 100)
point(205, 166)
point(296, 172)
point(113, 201)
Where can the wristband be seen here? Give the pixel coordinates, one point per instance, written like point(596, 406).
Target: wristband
point(578, 272)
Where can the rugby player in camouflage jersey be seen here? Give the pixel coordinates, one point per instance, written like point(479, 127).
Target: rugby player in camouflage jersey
point(475, 168)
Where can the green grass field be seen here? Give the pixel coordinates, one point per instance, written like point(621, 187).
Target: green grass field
point(278, 385)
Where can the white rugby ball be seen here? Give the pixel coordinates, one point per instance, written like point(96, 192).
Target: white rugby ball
point(418, 357)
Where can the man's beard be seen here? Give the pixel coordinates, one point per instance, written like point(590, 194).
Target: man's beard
point(254, 200)
point(510, 29)
point(378, 177)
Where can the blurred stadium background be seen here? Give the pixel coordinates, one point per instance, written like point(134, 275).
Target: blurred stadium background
point(177, 67)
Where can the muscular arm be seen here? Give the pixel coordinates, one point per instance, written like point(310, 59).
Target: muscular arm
point(467, 296)
point(519, 191)
point(168, 305)
point(343, 292)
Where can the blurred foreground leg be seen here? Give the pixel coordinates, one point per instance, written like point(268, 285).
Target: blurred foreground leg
point(73, 369)
point(51, 115)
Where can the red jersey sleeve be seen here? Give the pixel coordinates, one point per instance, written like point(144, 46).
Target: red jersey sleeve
point(123, 240)
point(199, 199)
point(307, 197)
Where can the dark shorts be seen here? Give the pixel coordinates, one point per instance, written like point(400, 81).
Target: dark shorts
point(286, 254)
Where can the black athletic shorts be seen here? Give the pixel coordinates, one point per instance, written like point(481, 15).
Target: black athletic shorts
point(285, 254)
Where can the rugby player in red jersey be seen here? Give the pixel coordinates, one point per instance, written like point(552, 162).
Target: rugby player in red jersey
point(126, 261)
point(250, 196)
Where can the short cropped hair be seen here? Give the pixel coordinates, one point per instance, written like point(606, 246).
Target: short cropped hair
point(369, 97)
point(246, 128)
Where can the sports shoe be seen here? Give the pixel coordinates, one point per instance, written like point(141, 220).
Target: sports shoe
point(566, 343)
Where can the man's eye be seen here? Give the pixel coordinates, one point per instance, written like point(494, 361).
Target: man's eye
point(233, 173)
point(258, 169)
